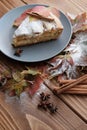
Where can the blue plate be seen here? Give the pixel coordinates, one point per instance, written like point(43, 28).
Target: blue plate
point(33, 53)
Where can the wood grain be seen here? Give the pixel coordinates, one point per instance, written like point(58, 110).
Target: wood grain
point(65, 5)
point(6, 5)
point(64, 119)
point(12, 116)
point(3, 125)
point(81, 4)
point(77, 103)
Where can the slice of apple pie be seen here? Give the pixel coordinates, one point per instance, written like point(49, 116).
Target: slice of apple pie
point(36, 25)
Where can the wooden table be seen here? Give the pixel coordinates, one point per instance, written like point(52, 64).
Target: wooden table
point(72, 110)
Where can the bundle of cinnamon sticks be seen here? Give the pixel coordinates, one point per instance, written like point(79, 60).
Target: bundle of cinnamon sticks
point(73, 86)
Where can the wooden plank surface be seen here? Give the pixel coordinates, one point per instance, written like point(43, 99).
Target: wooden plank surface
point(81, 4)
point(64, 5)
point(77, 103)
point(6, 5)
point(66, 119)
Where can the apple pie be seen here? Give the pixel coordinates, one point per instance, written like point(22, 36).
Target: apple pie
point(37, 25)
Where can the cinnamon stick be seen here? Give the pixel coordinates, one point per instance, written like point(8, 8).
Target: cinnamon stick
point(80, 89)
point(76, 91)
point(64, 81)
point(67, 86)
point(78, 86)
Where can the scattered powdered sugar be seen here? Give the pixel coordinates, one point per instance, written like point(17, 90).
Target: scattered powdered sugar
point(78, 49)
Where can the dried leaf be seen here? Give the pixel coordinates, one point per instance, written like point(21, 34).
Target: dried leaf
point(79, 22)
point(30, 71)
point(17, 76)
point(19, 87)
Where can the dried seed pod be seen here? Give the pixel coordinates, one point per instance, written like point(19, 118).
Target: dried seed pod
point(42, 105)
point(45, 104)
point(18, 52)
point(44, 97)
point(49, 105)
point(53, 109)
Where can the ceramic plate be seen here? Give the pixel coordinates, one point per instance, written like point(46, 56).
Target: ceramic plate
point(33, 53)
